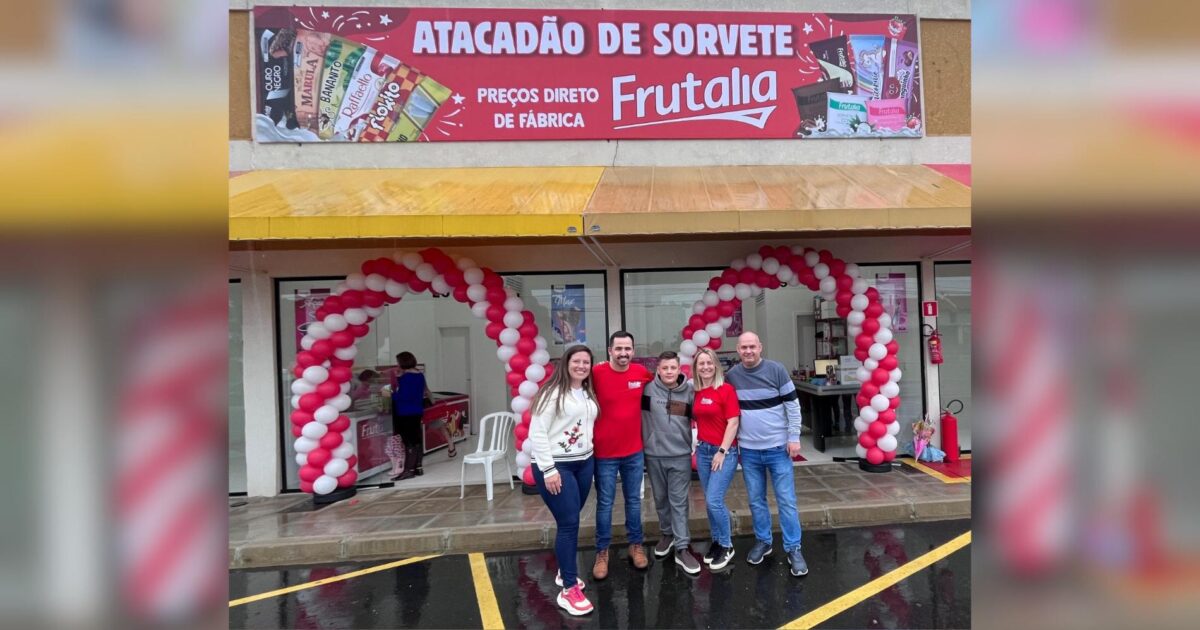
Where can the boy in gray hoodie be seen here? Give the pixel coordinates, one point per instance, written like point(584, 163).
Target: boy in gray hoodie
point(667, 440)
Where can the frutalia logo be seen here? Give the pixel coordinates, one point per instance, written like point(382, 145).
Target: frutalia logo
point(695, 95)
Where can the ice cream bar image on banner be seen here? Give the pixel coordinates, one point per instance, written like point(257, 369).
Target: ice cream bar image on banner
point(888, 113)
point(361, 93)
point(846, 112)
point(309, 62)
point(396, 89)
point(426, 98)
point(869, 64)
point(341, 62)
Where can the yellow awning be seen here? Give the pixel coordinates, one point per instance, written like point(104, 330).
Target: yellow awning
point(573, 201)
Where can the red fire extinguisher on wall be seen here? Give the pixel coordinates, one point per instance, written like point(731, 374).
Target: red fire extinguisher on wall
point(950, 430)
point(935, 345)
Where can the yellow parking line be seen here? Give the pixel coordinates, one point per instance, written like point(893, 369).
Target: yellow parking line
point(879, 584)
point(329, 580)
point(933, 473)
point(489, 610)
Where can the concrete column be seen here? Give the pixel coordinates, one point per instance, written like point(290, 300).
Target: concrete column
point(261, 384)
point(933, 396)
point(613, 299)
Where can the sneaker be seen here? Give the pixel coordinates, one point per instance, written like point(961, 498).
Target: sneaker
point(637, 554)
point(573, 601)
point(759, 551)
point(685, 559)
point(664, 546)
point(712, 551)
point(723, 557)
point(796, 559)
point(600, 568)
point(578, 581)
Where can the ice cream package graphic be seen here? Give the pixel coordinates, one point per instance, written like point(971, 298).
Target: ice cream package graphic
point(341, 61)
point(308, 60)
point(394, 92)
point(361, 93)
point(846, 113)
point(275, 82)
point(836, 62)
point(424, 102)
point(870, 58)
point(888, 113)
point(812, 104)
point(901, 70)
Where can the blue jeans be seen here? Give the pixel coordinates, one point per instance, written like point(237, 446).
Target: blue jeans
point(715, 484)
point(566, 505)
point(755, 465)
point(632, 470)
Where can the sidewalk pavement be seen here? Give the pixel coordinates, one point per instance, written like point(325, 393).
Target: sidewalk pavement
point(396, 522)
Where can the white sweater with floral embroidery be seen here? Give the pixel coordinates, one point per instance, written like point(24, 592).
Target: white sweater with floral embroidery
point(563, 437)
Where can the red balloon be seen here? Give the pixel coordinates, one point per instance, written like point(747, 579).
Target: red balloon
point(889, 363)
point(339, 374)
point(369, 267)
point(762, 278)
point(328, 389)
point(714, 283)
point(862, 400)
point(333, 304)
point(310, 473)
point(863, 342)
point(725, 309)
point(843, 310)
point(518, 363)
point(874, 310)
point(880, 376)
point(515, 378)
point(347, 479)
point(352, 299)
point(843, 297)
point(873, 294)
point(331, 440)
point(893, 347)
point(495, 313)
point(894, 403)
point(358, 330)
point(887, 417)
point(301, 417)
point(845, 283)
point(528, 330)
point(836, 268)
point(442, 264)
point(861, 354)
point(866, 439)
point(874, 455)
point(341, 424)
point(298, 371)
point(527, 417)
point(307, 359)
point(311, 402)
point(889, 456)
point(773, 282)
point(869, 390)
point(454, 277)
point(352, 461)
point(877, 429)
point(714, 343)
point(514, 391)
point(417, 285)
point(521, 431)
point(297, 430)
point(336, 362)
point(747, 275)
point(374, 299)
point(527, 476)
point(729, 276)
point(783, 254)
point(306, 487)
point(400, 274)
point(696, 322)
point(870, 327)
point(322, 314)
point(711, 314)
point(496, 297)
point(529, 319)
point(526, 345)
point(319, 457)
point(460, 294)
point(825, 256)
point(687, 333)
point(492, 280)
point(766, 251)
point(323, 348)
point(341, 339)
point(493, 330)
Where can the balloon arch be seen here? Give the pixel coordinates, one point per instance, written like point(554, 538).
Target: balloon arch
point(324, 441)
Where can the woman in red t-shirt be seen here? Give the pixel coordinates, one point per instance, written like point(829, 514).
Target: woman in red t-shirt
point(716, 411)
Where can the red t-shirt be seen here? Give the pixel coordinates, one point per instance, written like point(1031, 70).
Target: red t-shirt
point(618, 431)
point(712, 408)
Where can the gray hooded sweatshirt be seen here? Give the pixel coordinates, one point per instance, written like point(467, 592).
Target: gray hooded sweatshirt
point(663, 434)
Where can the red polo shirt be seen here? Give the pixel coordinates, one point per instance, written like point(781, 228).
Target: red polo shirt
point(713, 407)
point(618, 431)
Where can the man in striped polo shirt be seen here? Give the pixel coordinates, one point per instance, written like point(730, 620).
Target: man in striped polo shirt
point(769, 436)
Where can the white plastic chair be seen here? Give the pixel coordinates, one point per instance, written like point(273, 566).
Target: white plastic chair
point(495, 431)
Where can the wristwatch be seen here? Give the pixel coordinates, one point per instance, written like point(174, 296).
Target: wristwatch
point(721, 450)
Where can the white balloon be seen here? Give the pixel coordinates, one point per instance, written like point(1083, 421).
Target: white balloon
point(373, 311)
point(853, 331)
point(737, 264)
point(859, 287)
point(698, 307)
point(725, 322)
point(821, 271)
point(860, 424)
point(465, 264)
point(522, 460)
point(473, 275)
point(742, 291)
point(710, 298)
point(301, 387)
point(519, 405)
point(894, 375)
point(770, 265)
point(346, 354)
point(861, 450)
point(336, 467)
point(527, 389)
point(859, 303)
point(395, 289)
point(797, 250)
point(889, 389)
point(325, 414)
point(885, 321)
point(540, 341)
point(440, 286)
point(425, 272)
point(479, 309)
point(871, 364)
point(701, 338)
point(868, 414)
point(356, 281)
point(686, 359)
point(879, 402)
point(305, 444)
point(316, 374)
point(852, 270)
point(509, 292)
point(877, 351)
point(343, 450)
point(514, 304)
point(862, 374)
point(336, 322)
point(345, 387)
point(317, 330)
point(504, 353)
point(510, 336)
point(887, 443)
point(302, 459)
point(687, 347)
point(527, 447)
point(811, 258)
point(754, 261)
point(785, 274)
point(725, 292)
point(348, 436)
point(314, 430)
point(540, 357)
point(411, 260)
point(355, 316)
point(514, 319)
point(306, 342)
point(341, 402)
point(341, 288)
point(894, 428)
point(714, 331)
point(295, 401)
point(883, 336)
point(828, 285)
point(324, 484)
point(755, 290)
point(855, 318)
point(535, 373)
point(376, 282)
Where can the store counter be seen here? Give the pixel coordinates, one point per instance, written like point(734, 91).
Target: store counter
point(372, 429)
point(819, 404)
point(450, 410)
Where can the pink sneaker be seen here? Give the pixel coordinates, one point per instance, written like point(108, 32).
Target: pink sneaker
point(573, 601)
point(578, 580)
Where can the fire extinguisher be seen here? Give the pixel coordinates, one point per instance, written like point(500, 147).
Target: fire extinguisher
point(950, 430)
point(935, 345)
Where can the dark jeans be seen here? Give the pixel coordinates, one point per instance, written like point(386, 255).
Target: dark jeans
point(631, 469)
point(566, 505)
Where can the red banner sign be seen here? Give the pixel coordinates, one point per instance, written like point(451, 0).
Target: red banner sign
point(383, 74)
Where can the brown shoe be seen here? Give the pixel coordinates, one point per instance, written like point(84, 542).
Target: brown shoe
point(600, 569)
point(637, 553)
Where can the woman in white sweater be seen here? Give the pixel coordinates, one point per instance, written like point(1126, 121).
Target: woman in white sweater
point(564, 412)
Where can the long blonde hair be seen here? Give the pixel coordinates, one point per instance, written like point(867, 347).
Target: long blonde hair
point(718, 375)
point(560, 382)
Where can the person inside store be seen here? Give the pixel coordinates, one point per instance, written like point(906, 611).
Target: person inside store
point(561, 427)
point(717, 417)
point(667, 439)
point(410, 397)
point(362, 385)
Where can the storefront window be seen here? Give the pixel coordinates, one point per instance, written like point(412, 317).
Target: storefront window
point(659, 303)
point(953, 285)
point(237, 407)
point(450, 345)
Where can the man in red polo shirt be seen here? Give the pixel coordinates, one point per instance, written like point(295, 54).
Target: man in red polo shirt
point(617, 440)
